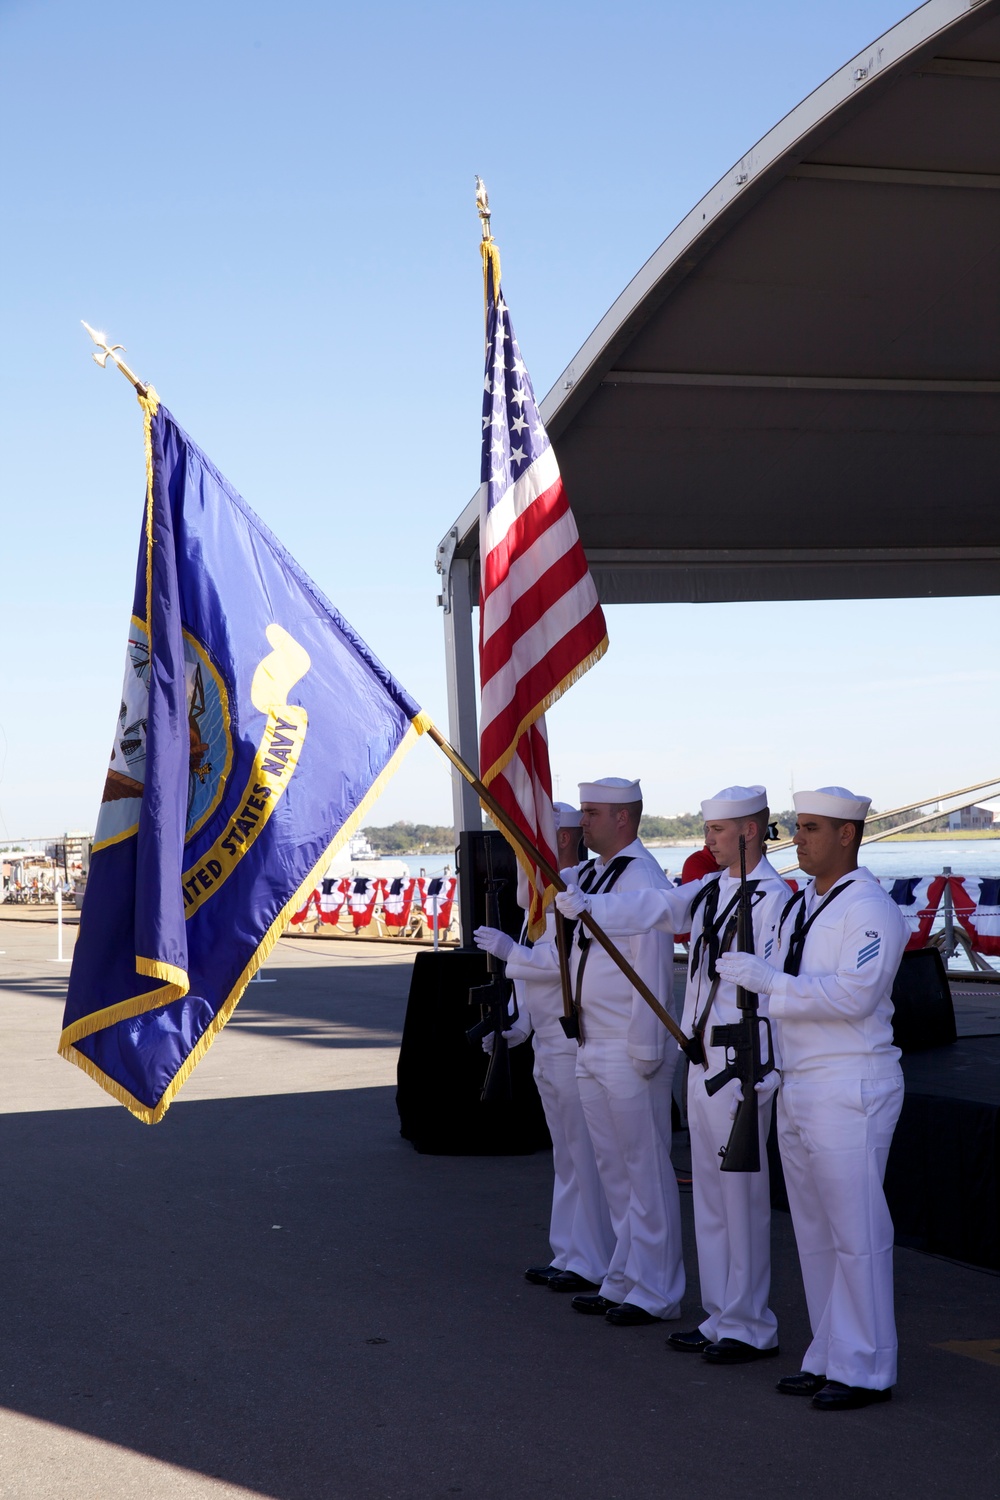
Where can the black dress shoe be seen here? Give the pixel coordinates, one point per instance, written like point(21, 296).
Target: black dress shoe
point(542, 1275)
point(569, 1281)
point(589, 1302)
point(835, 1396)
point(735, 1352)
point(694, 1342)
point(629, 1316)
point(803, 1384)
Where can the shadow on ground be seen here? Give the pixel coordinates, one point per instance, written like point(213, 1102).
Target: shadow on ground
point(279, 1292)
point(343, 1005)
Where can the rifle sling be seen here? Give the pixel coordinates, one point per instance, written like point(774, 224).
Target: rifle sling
point(700, 1022)
point(721, 946)
point(606, 883)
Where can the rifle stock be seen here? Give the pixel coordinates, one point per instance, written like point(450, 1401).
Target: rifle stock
point(497, 1003)
point(493, 999)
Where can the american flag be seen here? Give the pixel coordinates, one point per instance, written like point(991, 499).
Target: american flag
point(540, 624)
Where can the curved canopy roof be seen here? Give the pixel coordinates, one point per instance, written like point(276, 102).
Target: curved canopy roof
point(798, 396)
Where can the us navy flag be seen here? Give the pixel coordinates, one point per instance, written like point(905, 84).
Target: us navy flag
point(255, 728)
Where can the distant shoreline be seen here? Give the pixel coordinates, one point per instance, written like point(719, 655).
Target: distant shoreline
point(894, 838)
point(673, 843)
point(969, 834)
point(944, 835)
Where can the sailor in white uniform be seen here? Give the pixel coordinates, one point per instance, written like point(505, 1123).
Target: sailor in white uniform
point(732, 1210)
point(580, 1233)
point(835, 954)
point(624, 1070)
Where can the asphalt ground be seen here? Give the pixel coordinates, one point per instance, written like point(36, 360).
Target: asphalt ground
point(272, 1294)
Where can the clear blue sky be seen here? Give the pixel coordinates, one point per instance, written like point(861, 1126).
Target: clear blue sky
point(272, 207)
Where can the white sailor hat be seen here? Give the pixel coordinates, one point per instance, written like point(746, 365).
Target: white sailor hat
point(735, 802)
point(833, 802)
point(566, 816)
point(613, 789)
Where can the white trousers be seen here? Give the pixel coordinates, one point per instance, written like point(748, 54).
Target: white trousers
point(580, 1232)
point(629, 1122)
point(732, 1220)
point(835, 1139)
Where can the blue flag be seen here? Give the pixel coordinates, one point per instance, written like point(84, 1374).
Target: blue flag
point(255, 729)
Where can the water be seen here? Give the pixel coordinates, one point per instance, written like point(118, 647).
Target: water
point(889, 861)
point(885, 860)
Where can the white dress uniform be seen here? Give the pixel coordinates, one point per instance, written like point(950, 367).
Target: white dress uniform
point(841, 1094)
point(732, 1210)
point(628, 1116)
point(580, 1232)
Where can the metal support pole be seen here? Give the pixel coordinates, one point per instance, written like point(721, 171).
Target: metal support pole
point(460, 664)
point(949, 917)
point(59, 959)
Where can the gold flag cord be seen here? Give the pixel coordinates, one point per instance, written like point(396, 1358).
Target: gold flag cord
point(487, 247)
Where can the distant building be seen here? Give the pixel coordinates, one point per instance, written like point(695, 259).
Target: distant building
point(983, 815)
point(72, 851)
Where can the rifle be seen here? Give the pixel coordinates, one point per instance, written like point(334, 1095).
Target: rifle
point(570, 1018)
point(742, 1038)
point(496, 999)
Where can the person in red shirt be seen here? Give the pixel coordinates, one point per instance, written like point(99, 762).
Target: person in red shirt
point(701, 862)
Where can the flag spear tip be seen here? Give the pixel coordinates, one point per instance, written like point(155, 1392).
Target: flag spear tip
point(483, 206)
point(106, 351)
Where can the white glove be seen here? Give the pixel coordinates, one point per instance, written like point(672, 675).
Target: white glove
point(735, 1097)
point(646, 1066)
point(748, 971)
point(767, 1086)
point(492, 940)
point(572, 901)
point(514, 1037)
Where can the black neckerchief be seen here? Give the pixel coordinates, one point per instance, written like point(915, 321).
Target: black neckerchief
point(712, 923)
point(797, 940)
point(592, 883)
point(587, 883)
point(700, 1022)
point(606, 881)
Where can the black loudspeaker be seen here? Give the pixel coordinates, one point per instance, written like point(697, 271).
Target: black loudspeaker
point(472, 875)
point(440, 1073)
point(923, 1013)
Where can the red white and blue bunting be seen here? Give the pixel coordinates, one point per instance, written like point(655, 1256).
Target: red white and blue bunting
point(975, 899)
point(378, 901)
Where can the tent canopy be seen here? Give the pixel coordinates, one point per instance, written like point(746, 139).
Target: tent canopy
point(797, 397)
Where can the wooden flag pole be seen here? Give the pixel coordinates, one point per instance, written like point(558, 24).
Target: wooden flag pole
point(555, 879)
